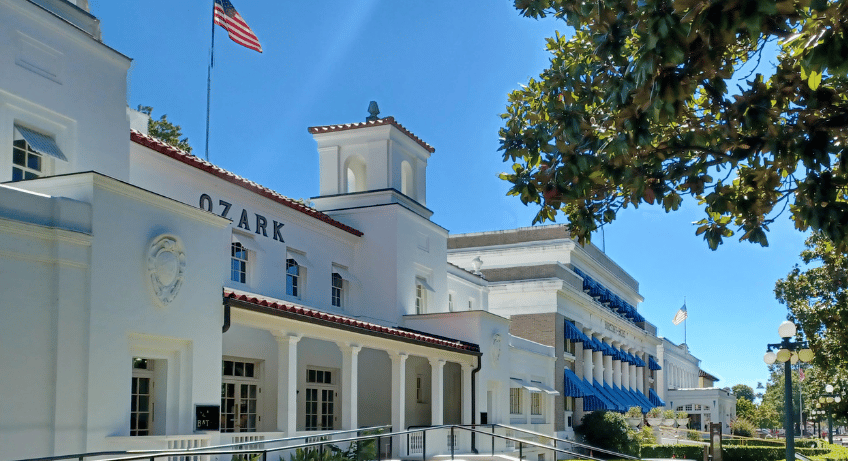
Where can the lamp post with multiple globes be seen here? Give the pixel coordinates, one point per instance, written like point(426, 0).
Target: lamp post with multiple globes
point(788, 353)
point(826, 399)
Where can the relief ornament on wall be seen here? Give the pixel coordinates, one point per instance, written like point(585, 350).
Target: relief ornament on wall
point(166, 263)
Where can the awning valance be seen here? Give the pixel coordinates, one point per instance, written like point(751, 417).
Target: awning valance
point(544, 387)
point(653, 365)
point(574, 386)
point(574, 334)
point(517, 382)
point(40, 143)
point(655, 399)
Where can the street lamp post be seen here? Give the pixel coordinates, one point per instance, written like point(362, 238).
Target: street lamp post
point(787, 355)
point(826, 399)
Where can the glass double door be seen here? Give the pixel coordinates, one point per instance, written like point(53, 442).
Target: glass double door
point(238, 406)
point(320, 408)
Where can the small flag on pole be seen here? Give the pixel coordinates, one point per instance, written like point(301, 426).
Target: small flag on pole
point(227, 17)
point(680, 316)
point(801, 374)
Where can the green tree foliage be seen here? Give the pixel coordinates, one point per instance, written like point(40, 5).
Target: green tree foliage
point(817, 297)
point(650, 101)
point(746, 409)
point(165, 130)
point(608, 430)
point(742, 390)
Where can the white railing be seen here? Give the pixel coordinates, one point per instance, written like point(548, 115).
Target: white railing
point(248, 441)
point(509, 442)
point(416, 443)
point(184, 442)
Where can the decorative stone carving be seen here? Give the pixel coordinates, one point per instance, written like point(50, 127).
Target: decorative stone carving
point(496, 348)
point(166, 263)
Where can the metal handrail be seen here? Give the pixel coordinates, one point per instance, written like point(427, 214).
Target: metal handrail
point(539, 434)
point(82, 456)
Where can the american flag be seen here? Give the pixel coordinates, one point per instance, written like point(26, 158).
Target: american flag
point(227, 17)
point(680, 316)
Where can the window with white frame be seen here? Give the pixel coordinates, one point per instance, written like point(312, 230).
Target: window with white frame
point(337, 290)
point(32, 154)
point(141, 404)
point(239, 396)
point(321, 392)
point(536, 403)
point(238, 262)
point(515, 400)
point(293, 278)
point(419, 389)
point(420, 298)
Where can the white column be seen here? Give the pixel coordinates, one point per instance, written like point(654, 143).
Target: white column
point(587, 363)
point(398, 399)
point(598, 366)
point(467, 368)
point(633, 377)
point(608, 369)
point(350, 381)
point(437, 391)
point(640, 375)
point(616, 372)
point(625, 375)
point(287, 382)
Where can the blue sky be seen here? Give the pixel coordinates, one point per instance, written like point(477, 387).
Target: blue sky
point(443, 69)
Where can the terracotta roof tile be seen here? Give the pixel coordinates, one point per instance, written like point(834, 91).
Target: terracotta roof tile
point(378, 122)
point(191, 160)
point(340, 319)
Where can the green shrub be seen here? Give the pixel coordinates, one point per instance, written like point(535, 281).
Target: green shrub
point(694, 435)
point(669, 451)
point(646, 436)
point(655, 412)
point(634, 412)
point(742, 427)
point(607, 430)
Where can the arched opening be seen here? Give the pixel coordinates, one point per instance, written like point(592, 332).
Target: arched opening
point(356, 177)
point(407, 179)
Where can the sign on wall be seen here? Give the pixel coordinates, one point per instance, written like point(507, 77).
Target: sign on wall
point(207, 417)
point(252, 222)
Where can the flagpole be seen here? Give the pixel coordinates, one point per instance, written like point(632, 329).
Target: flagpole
point(209, 79)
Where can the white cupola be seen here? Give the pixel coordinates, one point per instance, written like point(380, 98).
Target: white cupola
point(377, 160)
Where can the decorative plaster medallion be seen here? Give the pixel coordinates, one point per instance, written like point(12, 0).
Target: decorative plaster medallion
point(166, 267)
point(496, 348)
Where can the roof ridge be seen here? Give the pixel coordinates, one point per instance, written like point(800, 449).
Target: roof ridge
point(192, 160)
point(390, 120)
point(277, 304)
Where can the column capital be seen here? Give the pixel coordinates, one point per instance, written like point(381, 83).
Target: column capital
point(398, 356)
point(286, 337)
point(348, 347)
point(436, 362)
point(467, 367)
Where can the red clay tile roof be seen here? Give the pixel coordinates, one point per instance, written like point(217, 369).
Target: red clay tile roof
point(191, 160)
point(704, 374)
point(347, 321)
point(378, 122)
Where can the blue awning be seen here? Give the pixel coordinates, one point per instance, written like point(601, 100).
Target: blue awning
point(639, 361)
point(619, 398)
point(596, 401)
point(607, 349)
point(43, 144)
point(574, 386)
point(625, 397)
point(574, 334)
point(640, 397)
point(655, 399)
point(652, 364)
point(606, 391)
